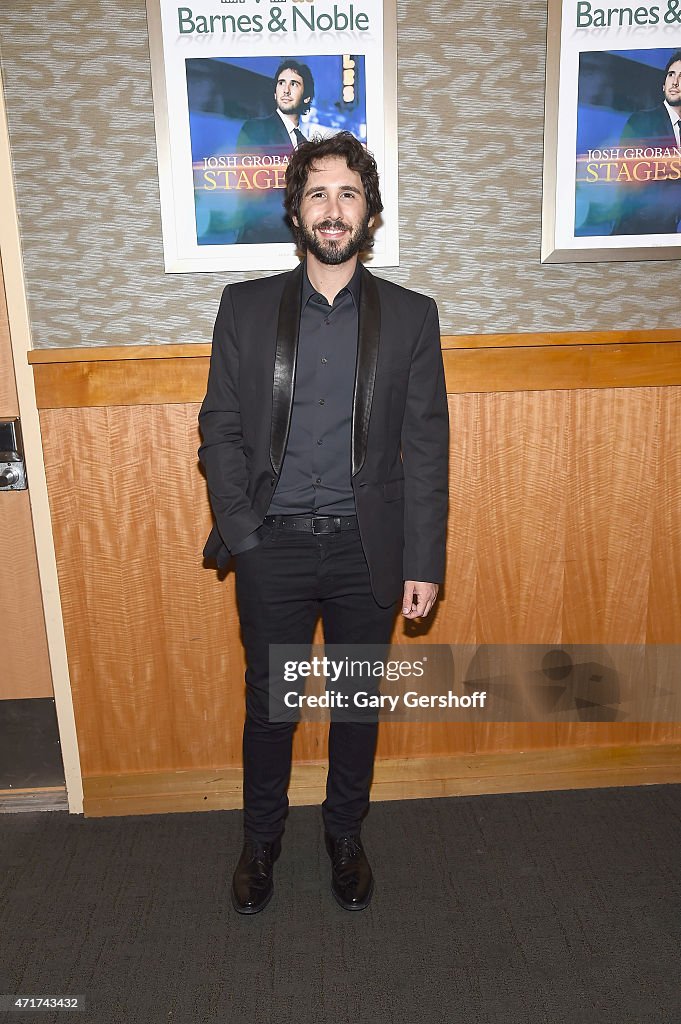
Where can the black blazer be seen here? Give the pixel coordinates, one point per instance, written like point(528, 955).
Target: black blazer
point(400, 438)
point(649, 207)
point(264, 132)
point(261, 213)
point(651, 128)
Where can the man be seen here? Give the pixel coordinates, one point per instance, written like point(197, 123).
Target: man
point(325, 441)
point(293, 93)
point(277, 135)
point(654, 207)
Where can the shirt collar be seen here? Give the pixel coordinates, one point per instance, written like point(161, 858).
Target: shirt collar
point(354, 286)
point(674, 113)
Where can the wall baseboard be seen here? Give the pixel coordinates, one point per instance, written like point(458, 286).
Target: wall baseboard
point(43, 798)
point(406, 779)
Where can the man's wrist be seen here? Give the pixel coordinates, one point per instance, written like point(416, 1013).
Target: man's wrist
point(250, 541)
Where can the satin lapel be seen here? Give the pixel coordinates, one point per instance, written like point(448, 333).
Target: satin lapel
point(365, 375)
point(285, 366)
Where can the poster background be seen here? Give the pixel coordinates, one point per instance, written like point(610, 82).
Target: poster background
point(612, 86)
point(222, 94)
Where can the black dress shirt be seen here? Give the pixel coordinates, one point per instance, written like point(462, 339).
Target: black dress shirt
point(316, 474)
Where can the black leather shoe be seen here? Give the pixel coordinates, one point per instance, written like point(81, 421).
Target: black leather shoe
point(252, 885)
point(352, 882)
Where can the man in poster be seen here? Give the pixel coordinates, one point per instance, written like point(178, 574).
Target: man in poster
point(293, 94)
point(654, 207)
point(262, 214)
point(325, 444)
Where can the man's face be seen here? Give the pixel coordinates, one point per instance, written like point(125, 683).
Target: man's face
point(672, 85)
point(333, 212)
point(288, 92)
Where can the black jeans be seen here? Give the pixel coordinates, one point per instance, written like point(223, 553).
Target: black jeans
point(282, 587)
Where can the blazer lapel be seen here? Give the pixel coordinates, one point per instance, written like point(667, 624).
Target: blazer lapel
point(285, 366)
point(283, 134)
point(365, 374)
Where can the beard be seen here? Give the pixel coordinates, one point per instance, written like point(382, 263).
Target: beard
point(290, 107)
point(331, 252)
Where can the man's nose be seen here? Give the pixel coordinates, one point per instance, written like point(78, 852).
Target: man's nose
point(333, 207)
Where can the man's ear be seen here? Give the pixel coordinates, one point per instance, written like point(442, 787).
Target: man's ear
point(294, 220)
point(307, 101)
point(371, 221)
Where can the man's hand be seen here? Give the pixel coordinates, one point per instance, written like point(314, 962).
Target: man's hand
point(418, 598)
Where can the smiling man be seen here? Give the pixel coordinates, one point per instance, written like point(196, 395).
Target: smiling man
point(325, 444)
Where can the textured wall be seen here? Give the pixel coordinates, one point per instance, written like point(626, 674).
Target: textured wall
point(78, 87)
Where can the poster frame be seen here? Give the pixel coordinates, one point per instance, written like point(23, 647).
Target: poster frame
point(266, 256)
point(558, 98)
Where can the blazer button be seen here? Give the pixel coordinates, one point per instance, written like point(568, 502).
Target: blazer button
point(273, 481)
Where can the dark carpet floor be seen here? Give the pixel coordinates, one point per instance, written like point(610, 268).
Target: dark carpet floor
point(546, 908)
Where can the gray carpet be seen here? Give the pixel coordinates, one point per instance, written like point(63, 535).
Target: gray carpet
point(546, 908)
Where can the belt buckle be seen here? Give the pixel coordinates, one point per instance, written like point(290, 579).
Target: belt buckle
point(327, 524)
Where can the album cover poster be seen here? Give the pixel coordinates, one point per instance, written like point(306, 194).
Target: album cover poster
point(612, 172)
point(237, 86)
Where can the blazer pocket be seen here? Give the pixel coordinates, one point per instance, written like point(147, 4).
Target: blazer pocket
point(399, 370)
point(393, 490)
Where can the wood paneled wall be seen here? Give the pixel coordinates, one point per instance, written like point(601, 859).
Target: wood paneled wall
point(25, 670)
point(564, 527)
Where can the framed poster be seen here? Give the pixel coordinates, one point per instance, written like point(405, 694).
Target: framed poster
point(237, 84)
point(612, 143)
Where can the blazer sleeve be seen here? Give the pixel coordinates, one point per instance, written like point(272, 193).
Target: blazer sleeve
point(425, 457)
point(222, 451)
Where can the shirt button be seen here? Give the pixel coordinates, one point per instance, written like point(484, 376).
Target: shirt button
point(319, 441)
point(318, 480)
point(324, 359)
point(321, 401)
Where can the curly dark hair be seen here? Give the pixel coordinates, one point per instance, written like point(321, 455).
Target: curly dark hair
point(672, 60)
point(343, 144)
point(303, 70)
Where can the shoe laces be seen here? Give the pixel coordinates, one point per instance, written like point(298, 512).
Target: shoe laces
point(347, 847)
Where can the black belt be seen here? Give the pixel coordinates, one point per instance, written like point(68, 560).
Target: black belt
point(313, 524)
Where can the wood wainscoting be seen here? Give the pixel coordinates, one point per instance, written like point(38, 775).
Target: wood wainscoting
point(564, 528)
